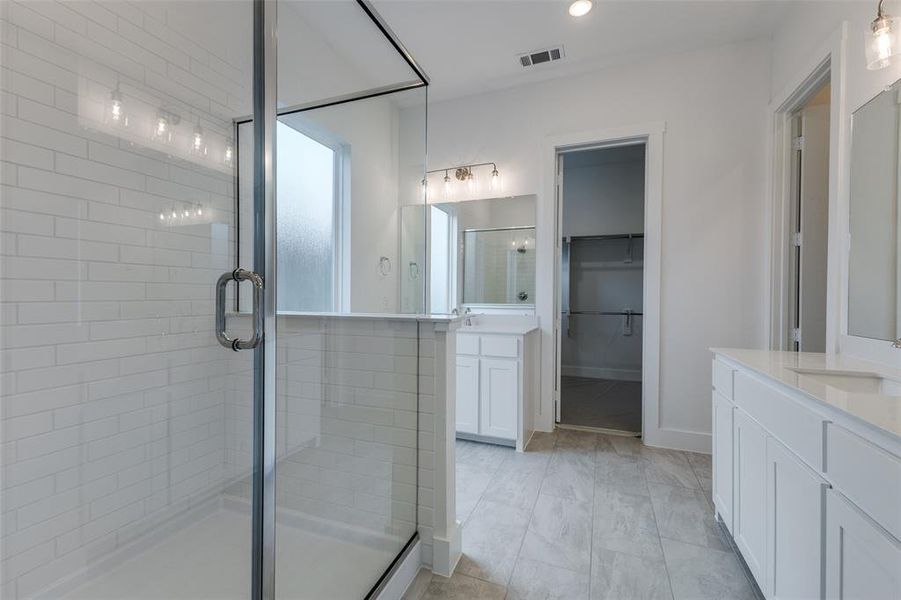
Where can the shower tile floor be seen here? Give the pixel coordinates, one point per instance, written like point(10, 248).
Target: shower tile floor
point(210, 559)
point(585, 516)
point(601, 403)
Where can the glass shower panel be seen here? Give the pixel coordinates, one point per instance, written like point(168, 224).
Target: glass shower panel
point(347, 383)
point(331, 48)
point(120, 446)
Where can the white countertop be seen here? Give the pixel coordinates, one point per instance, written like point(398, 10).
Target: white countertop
point(878, 410)
point(502, 324)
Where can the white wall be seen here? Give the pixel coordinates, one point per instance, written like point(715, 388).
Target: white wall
point(714, 231)
point(802, 41)
point(603, 199)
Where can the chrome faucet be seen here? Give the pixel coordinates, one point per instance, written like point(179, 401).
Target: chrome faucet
point(468, 321)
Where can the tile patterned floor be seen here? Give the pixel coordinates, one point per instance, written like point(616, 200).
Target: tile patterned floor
point(584, 516)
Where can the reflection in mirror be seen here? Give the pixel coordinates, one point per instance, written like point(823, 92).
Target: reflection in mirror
point(499, 266)
point(873, 299)
point(480, 255)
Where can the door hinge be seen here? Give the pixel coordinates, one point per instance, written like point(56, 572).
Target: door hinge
point(796, 239)
point(796, 334)
point(798, 143)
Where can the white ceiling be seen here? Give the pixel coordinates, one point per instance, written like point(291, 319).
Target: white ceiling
point(469, 46)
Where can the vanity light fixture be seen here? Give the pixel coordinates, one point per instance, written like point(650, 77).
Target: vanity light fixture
point(447, 185)
point(580, 8)
point(116, 111)
point(229, 156)
point(198, 148)
point(883, 40)
point(464, 174)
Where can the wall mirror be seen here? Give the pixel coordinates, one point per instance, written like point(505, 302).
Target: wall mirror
point(874, 310)
point(480, 255)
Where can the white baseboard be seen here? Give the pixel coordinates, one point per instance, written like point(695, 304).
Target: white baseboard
point(403, 576)
point(446, 552)
point(601, 373)
point(678, 439)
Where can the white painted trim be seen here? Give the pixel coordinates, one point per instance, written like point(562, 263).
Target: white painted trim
point(547, 294)
point(601, 373)
point(829, 59)
point(403, 576)
point(447, 551)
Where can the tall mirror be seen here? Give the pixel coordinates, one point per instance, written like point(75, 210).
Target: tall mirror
point(480, 255)
point(874, 310)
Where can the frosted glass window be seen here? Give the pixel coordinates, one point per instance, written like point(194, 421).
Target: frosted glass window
point(305, 187)
point(439, 275)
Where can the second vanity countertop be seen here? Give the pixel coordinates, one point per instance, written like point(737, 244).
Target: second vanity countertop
point(500, 324)
point(875, 409)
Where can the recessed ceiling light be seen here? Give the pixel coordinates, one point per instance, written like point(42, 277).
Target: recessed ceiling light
point(580, 8)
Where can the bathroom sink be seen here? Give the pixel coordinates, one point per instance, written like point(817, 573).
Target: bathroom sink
point(857, 382)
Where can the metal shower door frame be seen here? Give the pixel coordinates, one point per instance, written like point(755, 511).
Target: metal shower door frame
point(265, 114)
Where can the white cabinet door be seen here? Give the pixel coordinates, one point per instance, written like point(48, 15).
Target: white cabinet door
point(468, 394)
point(499, 393)
point(862, 559)
point(749, 505)
point(796, 496)
point(722, 457)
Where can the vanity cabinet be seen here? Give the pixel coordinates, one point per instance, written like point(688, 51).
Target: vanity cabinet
point(796, 497)
point(723, 415)
point(467, 394)
point(495, 389)
point(750, 492)
point(813, 497)
point(862, 559)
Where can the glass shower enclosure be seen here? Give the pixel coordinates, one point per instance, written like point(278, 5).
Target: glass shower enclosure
point(200, 398)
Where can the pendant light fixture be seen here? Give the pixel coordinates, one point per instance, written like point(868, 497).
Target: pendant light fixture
point(883, 40)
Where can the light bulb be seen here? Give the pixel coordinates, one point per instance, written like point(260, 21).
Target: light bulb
point(579, 8)
point(447, 185)
point(161, 129)
point(174, 215)
point(115, 114)
point(229, 155)
point(116, 106)
point(162, 217)
point(197, 145)
point(199, 210)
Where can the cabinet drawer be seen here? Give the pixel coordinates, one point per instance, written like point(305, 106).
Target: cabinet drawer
point(794, 425)
point(722, 378)
point(467, 343)
point(500, 345)
point(868, 476)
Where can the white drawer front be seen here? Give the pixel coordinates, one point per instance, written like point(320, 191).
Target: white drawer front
point(722, 378)
point(791, 423)
point(467, 343)
point(868, 476)
point(500, 345)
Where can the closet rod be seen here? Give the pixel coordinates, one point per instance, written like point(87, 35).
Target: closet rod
point(615, 236)
point(602, 312)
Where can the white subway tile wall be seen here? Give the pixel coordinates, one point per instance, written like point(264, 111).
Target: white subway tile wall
point(113, 410)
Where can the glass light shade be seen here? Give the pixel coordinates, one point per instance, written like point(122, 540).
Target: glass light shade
point(883, 42)
point(115, 110)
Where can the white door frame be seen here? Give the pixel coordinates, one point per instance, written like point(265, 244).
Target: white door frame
point(827, 63)
point(549, 292)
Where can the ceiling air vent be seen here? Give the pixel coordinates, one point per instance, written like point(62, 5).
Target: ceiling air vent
point(541, 56)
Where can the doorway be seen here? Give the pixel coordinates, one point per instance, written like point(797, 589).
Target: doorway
point(809, 222)
point(602, 215)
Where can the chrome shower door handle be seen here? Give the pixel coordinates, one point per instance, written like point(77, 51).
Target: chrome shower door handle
point(239, 275)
